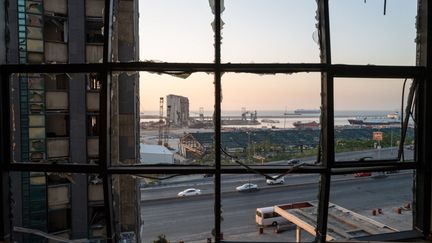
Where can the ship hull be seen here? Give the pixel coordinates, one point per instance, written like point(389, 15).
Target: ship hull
point(373, 123)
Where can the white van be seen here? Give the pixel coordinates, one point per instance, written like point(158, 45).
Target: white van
point(267, 216)
point(275, 180)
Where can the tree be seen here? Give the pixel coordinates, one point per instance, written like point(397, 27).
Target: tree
point(161, 239)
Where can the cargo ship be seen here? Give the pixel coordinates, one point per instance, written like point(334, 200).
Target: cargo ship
point(306, 111)
point(306, 125)
point(390, 119)
point(244, 119)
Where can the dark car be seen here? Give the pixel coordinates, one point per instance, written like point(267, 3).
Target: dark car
point(293, 161)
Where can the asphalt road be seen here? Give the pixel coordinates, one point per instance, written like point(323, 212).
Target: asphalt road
point(171, 187)
point(192, 218)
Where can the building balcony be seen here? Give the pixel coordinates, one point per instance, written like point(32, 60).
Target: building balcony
point(94, 8)
point(93, 101)
point(92, 147)
point(56, 52)
point(57, 148)
point(94, 53)
point(57, 100)
point(95, 192)
point(58, 196)
point(56, 6)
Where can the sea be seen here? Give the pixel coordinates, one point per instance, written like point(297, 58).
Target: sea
point(281, 121)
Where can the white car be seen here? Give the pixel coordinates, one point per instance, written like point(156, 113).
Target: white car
point(280, 180)
point(189, 192)
point(247, 187)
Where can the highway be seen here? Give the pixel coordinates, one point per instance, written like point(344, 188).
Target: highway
point(191, 218)
point(170, 188)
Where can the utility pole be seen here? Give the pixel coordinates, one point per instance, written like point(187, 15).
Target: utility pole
point(167, 126)
point(161, 122)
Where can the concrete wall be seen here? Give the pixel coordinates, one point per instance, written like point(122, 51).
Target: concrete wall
point(152, 158)
point(126, 104)
point(77, 116)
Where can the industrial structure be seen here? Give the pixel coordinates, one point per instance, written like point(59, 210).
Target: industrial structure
point(178, 110)
point(57, 116)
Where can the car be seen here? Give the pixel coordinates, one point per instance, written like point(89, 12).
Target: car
point(248, 187)
point(275, 180)
point(362, 174)
point(189, 192)
point(293, 161)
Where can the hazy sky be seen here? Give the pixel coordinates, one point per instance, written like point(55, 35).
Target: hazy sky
point(275, 31)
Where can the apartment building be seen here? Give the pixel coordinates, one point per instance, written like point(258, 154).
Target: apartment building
point(56, 115)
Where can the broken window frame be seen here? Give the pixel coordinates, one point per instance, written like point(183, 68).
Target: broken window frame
point(61, 20)
point(96, 39)
point(422, 216)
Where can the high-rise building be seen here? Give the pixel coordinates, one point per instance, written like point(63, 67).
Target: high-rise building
point(179, 110)
point(56, 116)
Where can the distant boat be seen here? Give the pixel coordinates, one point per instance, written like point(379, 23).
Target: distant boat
point(306, 125)
point(269, 121)
point(306, 111)
point(390, 119)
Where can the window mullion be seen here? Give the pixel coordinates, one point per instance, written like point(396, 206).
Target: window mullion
point(217, 122)
point(327, 123)
point(423, 132)
point(104, 139)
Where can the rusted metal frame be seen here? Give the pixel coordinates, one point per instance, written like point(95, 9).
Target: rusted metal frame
point(271, 68)
point(217, 122)
point(212, 170)
point(344, 171)
point(369, 163)
point(423, 132)
point(355, 71)
point(53, 68)
point(191, 169)
point(42, 167)
point(327, 119)
point(372, 71)
point(105, 128)
point(5, 117)
point(5, 156)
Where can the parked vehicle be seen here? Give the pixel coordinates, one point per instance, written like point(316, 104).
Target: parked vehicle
point(362, 174)
point(247, 187)
point(293, 161)
point(267, 216)
point(275, 180)
point(189, 192)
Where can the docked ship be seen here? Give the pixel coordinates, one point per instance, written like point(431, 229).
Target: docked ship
point(390, 119)
point(244, 120)
point(306, 111)
point(306, 125)
point(269, 121)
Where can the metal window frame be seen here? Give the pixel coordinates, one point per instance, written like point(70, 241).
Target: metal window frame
point(329, 71)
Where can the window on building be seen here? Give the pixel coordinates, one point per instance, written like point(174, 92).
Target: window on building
point(55, 29)
point(94, 31)
point(93, 125)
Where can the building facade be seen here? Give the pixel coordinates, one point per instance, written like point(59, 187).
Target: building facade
point(56, 116)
